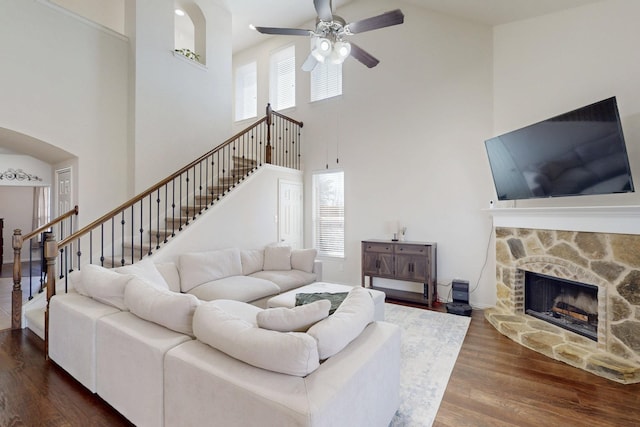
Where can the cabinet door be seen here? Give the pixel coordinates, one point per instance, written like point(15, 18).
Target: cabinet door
point(412, 267)
point(378, 264)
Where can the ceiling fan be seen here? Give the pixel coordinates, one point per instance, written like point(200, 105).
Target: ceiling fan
point(331, 32)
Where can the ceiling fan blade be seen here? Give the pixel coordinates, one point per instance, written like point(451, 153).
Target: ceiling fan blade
point(363, 56)
point(310, 63)
point(323, 8)
point(284, 31)
point(387, 19)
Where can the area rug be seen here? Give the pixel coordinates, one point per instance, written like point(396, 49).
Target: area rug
point(430, 345)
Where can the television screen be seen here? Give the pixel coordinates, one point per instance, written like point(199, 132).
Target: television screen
point(577, 153)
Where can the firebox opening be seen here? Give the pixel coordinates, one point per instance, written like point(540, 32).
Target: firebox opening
point(564, 303)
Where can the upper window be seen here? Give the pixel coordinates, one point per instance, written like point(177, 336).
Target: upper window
point(246, 91)
point(326, 81)
point(328, 213)
point(282, 79)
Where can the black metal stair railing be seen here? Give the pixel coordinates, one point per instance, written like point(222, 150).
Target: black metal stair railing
point(143, 224)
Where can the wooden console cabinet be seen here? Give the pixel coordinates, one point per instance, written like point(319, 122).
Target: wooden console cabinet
point(408, 261)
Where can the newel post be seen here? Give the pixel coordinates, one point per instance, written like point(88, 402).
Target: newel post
point(267, 154)
point(16, 295)
point(50, 254)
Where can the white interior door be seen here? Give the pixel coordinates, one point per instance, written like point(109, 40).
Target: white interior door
point(290, 220)
point(63, 194)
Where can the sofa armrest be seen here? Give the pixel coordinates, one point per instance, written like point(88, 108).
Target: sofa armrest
point(317, 269)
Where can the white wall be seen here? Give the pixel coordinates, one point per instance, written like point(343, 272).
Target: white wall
point(556, 63)
point(409, 135)
point(181, 109)
point(15, 217)
point(130, 113)
point(245, 218)
point(65, 82)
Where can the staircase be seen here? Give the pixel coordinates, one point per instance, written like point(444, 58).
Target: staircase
point(142, 225)
point(197, 203)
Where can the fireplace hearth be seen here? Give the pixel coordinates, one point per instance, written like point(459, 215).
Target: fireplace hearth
point(571, 295)
point(564, 303)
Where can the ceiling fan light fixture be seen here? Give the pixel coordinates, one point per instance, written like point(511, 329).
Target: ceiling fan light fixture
point(317, 55)
point(341, 51)
point(323, 46)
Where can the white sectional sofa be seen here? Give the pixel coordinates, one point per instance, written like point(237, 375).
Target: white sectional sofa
point(166, 358)
point(246, 275)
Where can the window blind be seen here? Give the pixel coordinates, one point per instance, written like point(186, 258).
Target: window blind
point(326, 81)
point(282, 79)
point(328, 213)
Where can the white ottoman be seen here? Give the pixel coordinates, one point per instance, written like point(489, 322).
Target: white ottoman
point(288, 299)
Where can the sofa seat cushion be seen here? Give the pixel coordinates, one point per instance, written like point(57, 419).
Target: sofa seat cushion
point(290, 353)
point(286, 279)
point(172, 310)
point(336, 331)
point(239, 288)
point(197, 268)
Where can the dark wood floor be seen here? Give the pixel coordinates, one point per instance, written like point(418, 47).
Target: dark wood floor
point(495, 383)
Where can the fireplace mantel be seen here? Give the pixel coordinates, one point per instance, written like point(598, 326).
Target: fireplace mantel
point(605, 219)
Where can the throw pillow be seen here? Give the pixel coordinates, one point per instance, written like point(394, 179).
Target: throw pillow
point(172, 310)
point(252, 261)
point(196, 268)
point(303, 259)
point(336, 331)
point(105, 286)
point(145, 269)
point(277, 258)
point(297, 319)
point(290, 353)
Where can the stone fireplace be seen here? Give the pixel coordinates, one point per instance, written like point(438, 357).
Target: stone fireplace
point(607, 264)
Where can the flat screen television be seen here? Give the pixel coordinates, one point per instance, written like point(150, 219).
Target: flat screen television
point(577, 153)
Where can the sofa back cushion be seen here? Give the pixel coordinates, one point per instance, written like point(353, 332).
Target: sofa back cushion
point(290, 353)
point(336, 331)
point(172, 310)
point(145, 269)
point(303, 259)
point(296, 319)
point(252, 260)
point(169, 271)
point(277, 258)
point(197, 268)
point(104, 285)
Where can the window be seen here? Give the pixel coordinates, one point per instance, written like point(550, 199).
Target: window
point(246, 91)
point(282, 79)
point(326, 81)
point(328, 213)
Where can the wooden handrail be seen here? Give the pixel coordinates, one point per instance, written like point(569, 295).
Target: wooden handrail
point(150, 190)
point(176, 199)
point(50, 224)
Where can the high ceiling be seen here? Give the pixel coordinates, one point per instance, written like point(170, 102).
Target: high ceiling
point(293, 13)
